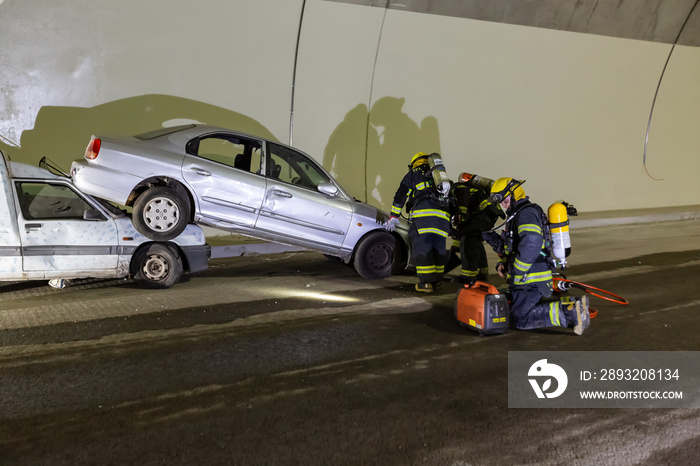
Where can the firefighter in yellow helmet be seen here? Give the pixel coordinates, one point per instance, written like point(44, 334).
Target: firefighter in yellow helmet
point(524, 261)
point(429, 222)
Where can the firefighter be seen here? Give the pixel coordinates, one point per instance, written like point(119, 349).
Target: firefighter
point(524, 261)
point(475, 216)
point(429, 222)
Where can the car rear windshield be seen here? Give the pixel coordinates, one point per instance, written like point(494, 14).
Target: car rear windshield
point(162, 132)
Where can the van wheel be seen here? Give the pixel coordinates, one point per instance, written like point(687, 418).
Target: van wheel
point(375, 255)
point(160, 213)
point(156, 266)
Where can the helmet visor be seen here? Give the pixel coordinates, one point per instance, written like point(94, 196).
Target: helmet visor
point(496, 198)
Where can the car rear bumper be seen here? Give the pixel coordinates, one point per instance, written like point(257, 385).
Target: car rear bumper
point(114, 186)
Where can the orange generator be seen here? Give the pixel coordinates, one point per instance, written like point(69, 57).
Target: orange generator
point(482, 308)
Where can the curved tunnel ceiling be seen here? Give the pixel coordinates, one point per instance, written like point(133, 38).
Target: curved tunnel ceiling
point(650, 20)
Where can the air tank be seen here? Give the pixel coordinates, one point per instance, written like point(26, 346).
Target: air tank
point(442, 182)
point(559, 229)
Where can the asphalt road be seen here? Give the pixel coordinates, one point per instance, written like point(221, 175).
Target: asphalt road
point(293, 359)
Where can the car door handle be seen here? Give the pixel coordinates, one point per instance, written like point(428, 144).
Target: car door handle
point(201, 171)
point(32, 226)
point(280, 193)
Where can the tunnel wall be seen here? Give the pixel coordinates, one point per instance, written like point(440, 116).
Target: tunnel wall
point(555, 92)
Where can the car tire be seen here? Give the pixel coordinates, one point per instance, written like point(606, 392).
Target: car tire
point(160, 213)
point(375, 255)
point(156, 266)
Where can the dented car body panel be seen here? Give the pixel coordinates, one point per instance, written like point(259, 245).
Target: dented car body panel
point(49, 229)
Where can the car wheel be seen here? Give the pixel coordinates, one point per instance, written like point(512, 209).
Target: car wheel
point(156, 266)
point(160, 213)
point(375, 255)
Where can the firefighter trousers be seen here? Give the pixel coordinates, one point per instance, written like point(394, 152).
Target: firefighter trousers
point(475, 265)
point(529, 311)
point(429, 255)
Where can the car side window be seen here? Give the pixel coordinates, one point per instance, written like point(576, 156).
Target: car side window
point(291, 167)
point(239, 153)
point(45, 201)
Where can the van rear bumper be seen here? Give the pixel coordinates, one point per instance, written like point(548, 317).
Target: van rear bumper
point(197, 257)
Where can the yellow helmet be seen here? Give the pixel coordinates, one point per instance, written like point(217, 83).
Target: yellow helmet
point(419, 159)
point(504, 187)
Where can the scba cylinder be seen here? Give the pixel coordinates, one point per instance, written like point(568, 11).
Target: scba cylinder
point(481, 182)
point(559, 228)
point(442, 182)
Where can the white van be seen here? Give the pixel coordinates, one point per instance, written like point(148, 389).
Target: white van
point(51, 230)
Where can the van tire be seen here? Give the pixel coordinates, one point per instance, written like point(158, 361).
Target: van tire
point(375, 255)
point(156, 266)
point(160, 213)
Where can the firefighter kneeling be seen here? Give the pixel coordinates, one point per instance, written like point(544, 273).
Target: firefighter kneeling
point(526, 265)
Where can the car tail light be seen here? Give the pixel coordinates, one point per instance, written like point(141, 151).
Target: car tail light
point(93, 149)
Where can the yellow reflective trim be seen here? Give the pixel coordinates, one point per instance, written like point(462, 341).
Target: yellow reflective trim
point(437, 231)
point(395, 210)
point(426, 270)
point(534, 277)
point(554, 313)
point(468, 273)
point(422, 213)
point(529, 227)
point(520, 265)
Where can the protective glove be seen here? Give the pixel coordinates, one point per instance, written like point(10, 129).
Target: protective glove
point(391, 224)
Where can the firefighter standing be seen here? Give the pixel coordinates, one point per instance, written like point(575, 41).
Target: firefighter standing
point(430, 222)
point(475, 216)
point(524, 263)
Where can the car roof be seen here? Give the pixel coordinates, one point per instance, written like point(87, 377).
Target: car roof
point(194, 130)
point(22, 170)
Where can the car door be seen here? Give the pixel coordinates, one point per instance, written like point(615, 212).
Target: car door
point(295, 209)
point(224, 172)
point(60, 231)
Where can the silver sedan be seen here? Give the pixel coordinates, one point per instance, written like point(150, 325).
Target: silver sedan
point(239, 183)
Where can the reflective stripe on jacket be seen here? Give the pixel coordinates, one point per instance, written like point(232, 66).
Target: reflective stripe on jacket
point(427, 215)
point(528, 263)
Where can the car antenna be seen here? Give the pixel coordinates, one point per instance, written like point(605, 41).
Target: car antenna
point(47, 164)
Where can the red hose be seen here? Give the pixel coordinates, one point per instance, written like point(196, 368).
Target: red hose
point(592, 290)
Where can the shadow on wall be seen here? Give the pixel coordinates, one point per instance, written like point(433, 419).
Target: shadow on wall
point(62, 133)
point(369, 152)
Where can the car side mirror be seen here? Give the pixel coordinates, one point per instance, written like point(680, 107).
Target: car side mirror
point(328, 189)
point(92, 215)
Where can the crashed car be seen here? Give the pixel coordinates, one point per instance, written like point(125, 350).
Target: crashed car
point(51, 230)
point(239, 183)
